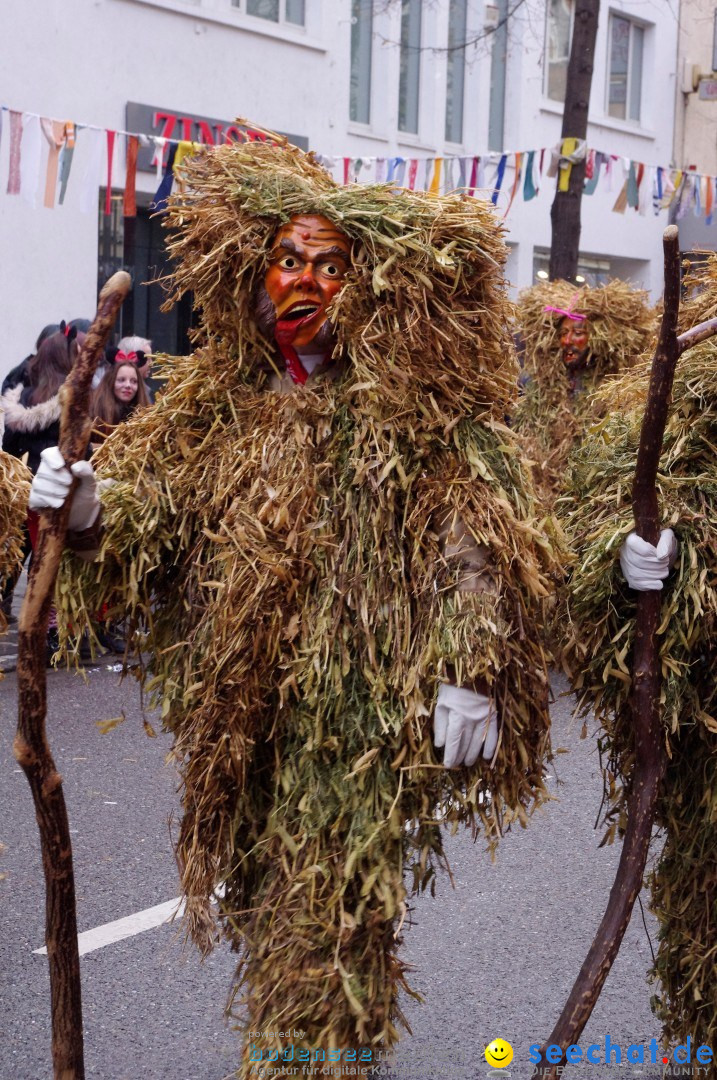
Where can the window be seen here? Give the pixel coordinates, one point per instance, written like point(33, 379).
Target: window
point(410, 65)
point(557, 47)
point(289, 11)
point(361, 48)
point(455, 76)
point(624, 97)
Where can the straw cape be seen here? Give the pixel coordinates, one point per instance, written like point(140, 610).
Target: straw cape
point(14, 491)
point(552, 415)
point(283, 553)
point(602, 613)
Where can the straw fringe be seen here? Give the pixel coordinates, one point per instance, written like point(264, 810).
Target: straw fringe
point(283, 556)
point(602, 617)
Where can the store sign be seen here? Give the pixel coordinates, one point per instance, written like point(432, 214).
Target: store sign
point(186, 127)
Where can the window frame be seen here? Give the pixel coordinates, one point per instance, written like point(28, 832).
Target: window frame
point(417, 49)
point(546, 53)
point(365, 6)
point(457, 100)
point(240, 6)
point(642, 27)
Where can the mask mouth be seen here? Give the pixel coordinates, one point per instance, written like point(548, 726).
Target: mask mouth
point(303, 310)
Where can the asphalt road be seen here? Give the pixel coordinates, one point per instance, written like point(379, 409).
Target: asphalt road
point(493, 957)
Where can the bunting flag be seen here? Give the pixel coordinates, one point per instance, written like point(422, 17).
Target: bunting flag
point(108, 186)
point(34, 139)
point(498, 182)
point(529, 188)
point(436, 181)
point(592, 171)
point(13, 179)
point(474, 177)
point(68, 151)
point(516, 183)
point(164, 190)
point(129, 208)
point(54, 132)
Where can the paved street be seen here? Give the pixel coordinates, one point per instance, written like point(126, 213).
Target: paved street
point(493, 958)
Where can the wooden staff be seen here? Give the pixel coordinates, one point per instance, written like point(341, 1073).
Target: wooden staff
point(650, 748)
point(31, 748)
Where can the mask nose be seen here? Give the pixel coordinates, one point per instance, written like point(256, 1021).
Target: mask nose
point(307, 281)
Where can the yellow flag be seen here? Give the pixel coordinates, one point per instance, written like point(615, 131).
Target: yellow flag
point(436, 181)
point(568, 147)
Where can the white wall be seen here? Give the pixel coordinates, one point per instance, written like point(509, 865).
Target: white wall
point(204, 57)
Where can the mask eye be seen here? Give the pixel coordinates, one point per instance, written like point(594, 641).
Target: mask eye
point(332, 270)
point(289, 262)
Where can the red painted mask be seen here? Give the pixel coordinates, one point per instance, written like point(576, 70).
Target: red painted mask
point(308, 263)
point(574, 342)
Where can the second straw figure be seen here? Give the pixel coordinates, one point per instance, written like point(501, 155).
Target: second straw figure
point(571, 339)
point(328, 532)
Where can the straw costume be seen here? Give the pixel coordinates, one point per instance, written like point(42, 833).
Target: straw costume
point(14, 489)
point(558, 401)
point(285, 553)
point(603, 617)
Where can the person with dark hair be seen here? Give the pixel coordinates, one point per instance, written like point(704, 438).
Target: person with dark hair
point(122, 389)
point(32, 419)
point(20, 376)
point(20, 373)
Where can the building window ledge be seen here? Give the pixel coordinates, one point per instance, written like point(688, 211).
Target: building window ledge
point(366, 132)
point(627, 127)
point(236, 20)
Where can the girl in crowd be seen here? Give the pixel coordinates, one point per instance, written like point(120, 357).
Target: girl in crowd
point(122, 389)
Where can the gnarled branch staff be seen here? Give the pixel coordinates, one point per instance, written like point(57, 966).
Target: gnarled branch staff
point(650, 752)
point(31, 746)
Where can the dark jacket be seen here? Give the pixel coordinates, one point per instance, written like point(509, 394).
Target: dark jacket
point(29, 428)
point(19, 374)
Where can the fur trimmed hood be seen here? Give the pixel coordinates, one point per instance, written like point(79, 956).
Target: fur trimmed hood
point(28, 418)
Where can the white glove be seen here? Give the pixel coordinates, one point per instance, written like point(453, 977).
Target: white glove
point(464, 722)
point(645, 566)
point(51, 485)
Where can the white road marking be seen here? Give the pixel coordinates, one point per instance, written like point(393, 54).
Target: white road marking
point(120, 929)
point(112, 932)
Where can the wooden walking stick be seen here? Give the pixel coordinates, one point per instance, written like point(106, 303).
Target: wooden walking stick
point(31, 748)
point(650, 750)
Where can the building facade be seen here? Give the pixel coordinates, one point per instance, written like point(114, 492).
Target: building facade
point(365, 83)
point(696, 111)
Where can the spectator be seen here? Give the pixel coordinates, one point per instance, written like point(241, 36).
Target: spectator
point(122, 389)
point(20, 373)
point(32, 418)
point(141, 348)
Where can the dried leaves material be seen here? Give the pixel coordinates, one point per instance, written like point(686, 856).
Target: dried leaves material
point(14, 491)
point(602, 613)
point(550, 417)
point(106, 726)
point(282, 554)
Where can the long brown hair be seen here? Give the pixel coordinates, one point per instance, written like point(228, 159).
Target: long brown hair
point(51, 365)
point(106, 409)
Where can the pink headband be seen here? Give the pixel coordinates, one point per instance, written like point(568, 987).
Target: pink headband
point(127, 358)
point(568, 314)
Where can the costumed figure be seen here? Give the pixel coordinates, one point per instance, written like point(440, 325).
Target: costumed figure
point(572, 338)
point(328, 533)
point(602, 610)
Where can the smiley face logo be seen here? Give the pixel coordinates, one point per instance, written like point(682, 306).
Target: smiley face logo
point(499, 1053)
